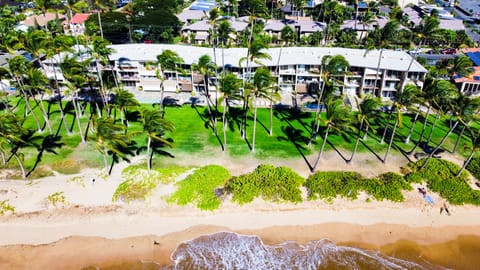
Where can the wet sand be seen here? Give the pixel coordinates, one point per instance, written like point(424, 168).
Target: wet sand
point(451, 246)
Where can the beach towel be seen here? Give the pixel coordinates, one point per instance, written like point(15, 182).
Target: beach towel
point(428, 199)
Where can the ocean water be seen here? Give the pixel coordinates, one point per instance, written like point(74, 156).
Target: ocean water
point(227, 250)
point(233, 251)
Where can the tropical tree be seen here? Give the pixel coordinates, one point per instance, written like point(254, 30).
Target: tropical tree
point(168, 60)
point(124, 100)
point(156, 127)
point(207, 67)
point(110, 139)
point(230, 88)
point(475, 139)
point(261, 87)
point(288, 35)
point(331, 69)
point(11, 132)
point(367, 109)
point(337, 118)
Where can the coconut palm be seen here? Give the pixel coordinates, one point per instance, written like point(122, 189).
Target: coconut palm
point(261, 88)
point(403, 101)
point(124, 100)
point(475, 137)
point(337, 118)
point(11, 132)
point(207, 67)
point(367, 109)
point(471, 116)
point(288, 35)
point(35, 83)
point(44, 6)
point(168, 60)
point(156, 127)
point(229, 85)
point(100, 53)
point(331, 69)
point(110, 139)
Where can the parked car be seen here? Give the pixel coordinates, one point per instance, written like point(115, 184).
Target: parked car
point(449, 51)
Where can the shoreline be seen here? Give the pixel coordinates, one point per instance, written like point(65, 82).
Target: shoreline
point(434, 244)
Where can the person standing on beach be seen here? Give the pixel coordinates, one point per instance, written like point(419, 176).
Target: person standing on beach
point(444, 207)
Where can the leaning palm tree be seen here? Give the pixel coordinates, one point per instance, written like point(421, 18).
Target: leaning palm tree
point(331, 69)
point(367, 109)
point(207, 67)
point(124, 100)
point(110, 139)
point(337, 118)
point(474, 148)
point(11, 132)
point(261, 87)
point(156, 127)
point(230, 88)
point(168, 60)
point(462, 108)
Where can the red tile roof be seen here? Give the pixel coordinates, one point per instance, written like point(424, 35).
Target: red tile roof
point(80, 18)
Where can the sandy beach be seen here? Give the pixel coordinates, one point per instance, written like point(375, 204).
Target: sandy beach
point(89, 229)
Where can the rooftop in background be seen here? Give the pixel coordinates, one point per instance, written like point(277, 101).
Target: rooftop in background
point(473, 54)
point(205, 5)
point(188, 15)
point(41, 20)
point(392, 60)
point(79, 18)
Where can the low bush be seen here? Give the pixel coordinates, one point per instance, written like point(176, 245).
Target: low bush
point(199, 187)
point(266, 181)
point(57, 199)
point(387, 186)
point(139, 183)
point(327, 185)
point(474, 167)
point(440, 175)
point(67, 166)
point(6, 207)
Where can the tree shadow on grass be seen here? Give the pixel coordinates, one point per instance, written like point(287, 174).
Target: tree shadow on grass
point(205, 116)
point(296, 137)
point(49, 144)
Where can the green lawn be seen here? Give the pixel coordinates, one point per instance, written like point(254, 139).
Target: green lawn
point(291, 132)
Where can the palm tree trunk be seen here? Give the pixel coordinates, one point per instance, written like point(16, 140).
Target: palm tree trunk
point(386, 126)
point(149, 161)
point(439, 145)
point(457, 142)
point(356, 142)
point(27, 105)
point(4, 162)
point(77, 116)
point(209, 107)
point(407, 140)
point(465, 164)
point(433, 127)
point(60, 107)
point(254, 122)
point(377, 74)
point(105, 159)
point(224, 122)
point(391, 141)
point(270, 133)
point(366, 133)
point(321, 150)
point(24, 175)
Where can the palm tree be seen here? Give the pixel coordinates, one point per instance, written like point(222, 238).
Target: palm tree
point(11, 132)
point(230, 88)
point(168, 60)
point(461, 108)
point(367, 19)
point(475, 137)
point(100, 53)
point(224, 29)
point(403, 100)
point(44, 6)
point(337, 119)
point(332, 68)
point(472, 115)
point(155, 126)
point(261, 86)
point(124, 100)
point(418, 101)
point(110, 139)
point(367, 110)
point(207, 67)
point(288, 35)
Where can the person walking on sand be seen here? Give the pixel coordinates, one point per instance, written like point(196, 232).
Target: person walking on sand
point(444, 207)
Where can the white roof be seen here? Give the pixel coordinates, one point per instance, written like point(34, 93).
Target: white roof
point(392, 60)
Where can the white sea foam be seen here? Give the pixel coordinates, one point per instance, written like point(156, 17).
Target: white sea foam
point(233, 251)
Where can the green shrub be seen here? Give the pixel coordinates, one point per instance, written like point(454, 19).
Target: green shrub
point(67, 166)
point(440, 175)
point(57, 199)
point(199, 187)
point(139, 183)
point(474, 167)
point(387, 186)
point(6, 207)
point(268, 182)
point(324, 185)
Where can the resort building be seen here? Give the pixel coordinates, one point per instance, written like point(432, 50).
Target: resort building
point(297, 69)
point(470, 85)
